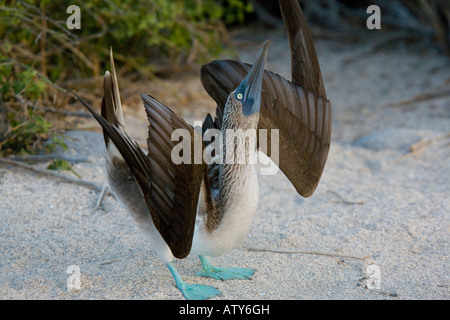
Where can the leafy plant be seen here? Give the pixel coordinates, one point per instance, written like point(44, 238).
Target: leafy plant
point(236, 11)
point(29, 136)
point(62, 165)
point(39, 54)
point(145, 34)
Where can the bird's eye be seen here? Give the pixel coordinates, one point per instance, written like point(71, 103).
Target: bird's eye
point(239, 96)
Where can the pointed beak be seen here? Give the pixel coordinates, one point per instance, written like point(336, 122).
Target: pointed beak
point(251, 86)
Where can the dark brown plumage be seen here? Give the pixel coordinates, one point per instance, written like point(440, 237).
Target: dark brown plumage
point(299, 109)
point(170, 190)
point(175, 187)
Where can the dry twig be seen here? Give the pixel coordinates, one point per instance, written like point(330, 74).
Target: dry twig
point(419, 146)
point(344, 200)
point(333, 255)
point(52, 174)
point(47, 157)
point(445, 92)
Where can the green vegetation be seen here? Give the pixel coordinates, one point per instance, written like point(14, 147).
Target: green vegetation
point(39, 55)
point(62, 165)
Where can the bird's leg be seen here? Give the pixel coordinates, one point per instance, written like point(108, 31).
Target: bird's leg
point(223, 273)
point(192, 291)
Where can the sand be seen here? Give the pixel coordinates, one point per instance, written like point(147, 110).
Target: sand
point(377, 226)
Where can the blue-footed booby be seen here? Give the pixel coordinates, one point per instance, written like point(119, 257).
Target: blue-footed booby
point(206, 209)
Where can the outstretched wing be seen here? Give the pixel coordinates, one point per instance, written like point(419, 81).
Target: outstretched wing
point(171, 191)
point(305, 68)
point(298, 109)
point(175, 187)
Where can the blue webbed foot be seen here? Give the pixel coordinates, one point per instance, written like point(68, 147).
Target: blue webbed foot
point(198, 291)
point(192, 291)
point(223, 273)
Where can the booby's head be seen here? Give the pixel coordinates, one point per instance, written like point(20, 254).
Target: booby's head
point(248, 93)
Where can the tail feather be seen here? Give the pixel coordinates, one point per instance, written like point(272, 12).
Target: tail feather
point(111, 104)
point(116, 94)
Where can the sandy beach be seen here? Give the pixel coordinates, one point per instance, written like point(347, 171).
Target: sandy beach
point(377, 227)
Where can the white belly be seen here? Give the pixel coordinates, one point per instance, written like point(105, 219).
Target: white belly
point(235, 224)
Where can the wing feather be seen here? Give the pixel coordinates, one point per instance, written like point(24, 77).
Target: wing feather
point(171, 191)
point(299, 109)
point(175, 187)
point(302, 118)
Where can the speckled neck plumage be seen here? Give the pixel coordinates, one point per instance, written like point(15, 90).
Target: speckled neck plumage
point(233, 177)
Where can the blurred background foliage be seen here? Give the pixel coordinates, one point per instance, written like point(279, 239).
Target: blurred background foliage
point(39, 55)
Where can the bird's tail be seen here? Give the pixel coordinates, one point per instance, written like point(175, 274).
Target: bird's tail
point(111, 118)
point(111, 104)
